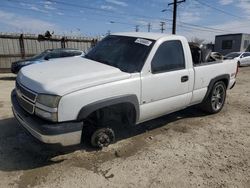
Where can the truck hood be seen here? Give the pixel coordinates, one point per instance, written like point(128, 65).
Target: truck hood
point(62, 76)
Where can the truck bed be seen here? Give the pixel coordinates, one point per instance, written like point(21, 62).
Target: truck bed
point(205, 72)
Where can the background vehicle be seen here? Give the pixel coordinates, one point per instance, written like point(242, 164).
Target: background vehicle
point(44, 56)
point(242, 58)
point(127, 78)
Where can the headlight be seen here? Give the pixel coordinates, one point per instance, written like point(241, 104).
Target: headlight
point(52, 116)
point(48, 100)
point(46, 106)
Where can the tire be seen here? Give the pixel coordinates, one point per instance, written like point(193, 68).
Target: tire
point(216, 98)
point(102, 137)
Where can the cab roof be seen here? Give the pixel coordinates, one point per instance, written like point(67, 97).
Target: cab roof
point(152, 36)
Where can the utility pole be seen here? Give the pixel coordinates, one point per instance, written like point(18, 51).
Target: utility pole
point(175, 13)
point(149, 27)
point(136, 28)
point(162, 26)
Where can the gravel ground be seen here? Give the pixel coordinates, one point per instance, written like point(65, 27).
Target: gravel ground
point(184, 149)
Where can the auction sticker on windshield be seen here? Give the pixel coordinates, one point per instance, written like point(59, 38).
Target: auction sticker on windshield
point(143, 41)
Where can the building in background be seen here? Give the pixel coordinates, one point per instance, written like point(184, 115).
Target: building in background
point(238, 42)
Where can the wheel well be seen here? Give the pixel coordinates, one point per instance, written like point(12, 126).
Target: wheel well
point(224, 78)
point(225, 81)
point(122, 112)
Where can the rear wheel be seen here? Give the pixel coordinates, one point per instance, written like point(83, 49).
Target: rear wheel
point(216, 99)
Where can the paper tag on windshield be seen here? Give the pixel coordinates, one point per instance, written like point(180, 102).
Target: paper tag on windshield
point(143, 41)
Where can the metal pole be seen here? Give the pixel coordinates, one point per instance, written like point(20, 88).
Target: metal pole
point(174, 18)
point(149, 27)
point(175, 14)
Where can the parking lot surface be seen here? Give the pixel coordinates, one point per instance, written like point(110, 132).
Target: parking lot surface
point(184, 149)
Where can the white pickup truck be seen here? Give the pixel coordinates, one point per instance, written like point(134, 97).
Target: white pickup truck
point(126, 77)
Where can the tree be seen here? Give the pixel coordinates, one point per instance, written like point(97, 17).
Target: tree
point(197, 40)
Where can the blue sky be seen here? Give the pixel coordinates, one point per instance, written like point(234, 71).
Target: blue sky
point(196, 18)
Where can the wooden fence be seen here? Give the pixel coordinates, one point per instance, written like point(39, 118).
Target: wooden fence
point(14, 47)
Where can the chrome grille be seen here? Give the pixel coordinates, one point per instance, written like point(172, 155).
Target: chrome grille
point(26, 92)
point(26, 98)
point(27, 106)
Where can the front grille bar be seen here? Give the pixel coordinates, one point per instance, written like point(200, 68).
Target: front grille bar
point(26, 98)
point(28, 94)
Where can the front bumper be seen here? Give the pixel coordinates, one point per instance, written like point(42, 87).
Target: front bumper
point(65, 134)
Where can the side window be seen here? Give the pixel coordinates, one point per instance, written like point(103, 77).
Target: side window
point(168, 57)
point(246, 54)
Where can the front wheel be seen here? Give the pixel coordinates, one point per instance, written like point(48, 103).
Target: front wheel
point(102, 137)
point(216, 99)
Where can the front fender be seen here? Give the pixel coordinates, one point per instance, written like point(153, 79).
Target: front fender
point(87, 110)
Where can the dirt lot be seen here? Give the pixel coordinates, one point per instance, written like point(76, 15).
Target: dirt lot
point(184, 149)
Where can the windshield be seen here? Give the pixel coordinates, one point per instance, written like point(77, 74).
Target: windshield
point(232, 55)
point(126, 53)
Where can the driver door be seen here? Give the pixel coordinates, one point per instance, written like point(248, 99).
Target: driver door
point(166, 87)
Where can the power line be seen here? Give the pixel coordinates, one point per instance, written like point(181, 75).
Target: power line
point(198, 29)
point(124, 14)
point(220, 10)
point(204, 27)
point(123, 23)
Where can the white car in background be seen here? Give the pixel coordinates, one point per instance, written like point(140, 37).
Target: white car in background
point(243, 58)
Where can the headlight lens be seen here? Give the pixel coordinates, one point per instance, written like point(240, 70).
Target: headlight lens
point(48, 100)
point(52, 116)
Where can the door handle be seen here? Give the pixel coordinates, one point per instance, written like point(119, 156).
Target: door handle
point(184, 78)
